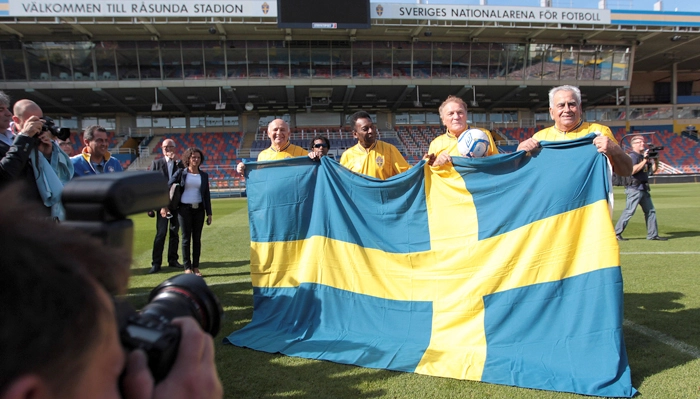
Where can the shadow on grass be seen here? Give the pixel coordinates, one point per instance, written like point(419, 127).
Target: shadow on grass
point(246, 373)
point(203, 265)
point(250, 374)
point(662, 313)
point(681, 234)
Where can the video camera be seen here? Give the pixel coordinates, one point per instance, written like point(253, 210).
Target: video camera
point(61, 133)
point(99, 205)
point(653, 150)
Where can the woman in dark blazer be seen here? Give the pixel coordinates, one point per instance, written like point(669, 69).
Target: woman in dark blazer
point(194, 203)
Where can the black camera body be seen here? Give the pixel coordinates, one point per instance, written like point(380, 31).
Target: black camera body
point(653, 150)
point(151, 330)
point(61, 133)
point(99, 205)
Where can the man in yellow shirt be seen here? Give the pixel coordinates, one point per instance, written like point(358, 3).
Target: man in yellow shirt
point(565, 110)
point(453, 113)
point(280, 147)
point(370, 156)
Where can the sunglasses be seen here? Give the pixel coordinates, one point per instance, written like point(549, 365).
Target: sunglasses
point(320, 145)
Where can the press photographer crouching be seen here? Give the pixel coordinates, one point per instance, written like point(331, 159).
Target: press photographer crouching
point(645, 160)
point(61, 336)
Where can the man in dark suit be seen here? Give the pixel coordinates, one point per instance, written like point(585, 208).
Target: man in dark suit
point(167, 165)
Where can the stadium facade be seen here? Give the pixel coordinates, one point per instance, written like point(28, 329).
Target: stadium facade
point(187, 66)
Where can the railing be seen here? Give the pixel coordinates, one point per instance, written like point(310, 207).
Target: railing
point(136, 132)
point(131, 151)
point(667, 169)
point(507, 142)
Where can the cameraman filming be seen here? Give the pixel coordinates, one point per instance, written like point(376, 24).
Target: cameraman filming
point(59, 332)
point(644, 163)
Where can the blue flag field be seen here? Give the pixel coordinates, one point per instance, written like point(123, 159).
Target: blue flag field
point(503, 269)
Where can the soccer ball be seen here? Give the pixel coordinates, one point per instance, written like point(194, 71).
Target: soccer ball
point(473, 143)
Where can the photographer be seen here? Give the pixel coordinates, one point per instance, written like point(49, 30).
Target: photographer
point(15, 151)
point(59, 337)
point(644, 163)
point(60, 161)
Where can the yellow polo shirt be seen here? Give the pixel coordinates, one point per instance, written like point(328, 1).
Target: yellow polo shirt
point(289, 151)
point(382, 160)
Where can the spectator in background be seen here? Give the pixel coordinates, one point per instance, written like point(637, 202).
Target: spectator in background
point(638, 191)
point(167, 166)
point(66, 145)
point(95, 158)
point(565, 110)
point(453, 113)
point(194, 204)
point(371, 156)
point(280, 146)
point(58, 160)
point(319, 147)
point(59, 336)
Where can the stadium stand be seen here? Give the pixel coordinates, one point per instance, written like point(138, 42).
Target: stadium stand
point(247, 73)
point(220, 150)
point(680, 154)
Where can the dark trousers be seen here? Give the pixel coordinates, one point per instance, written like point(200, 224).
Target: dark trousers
point(163, 225)
point(192, 223)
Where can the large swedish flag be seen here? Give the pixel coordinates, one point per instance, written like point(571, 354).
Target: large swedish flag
point(503, 269)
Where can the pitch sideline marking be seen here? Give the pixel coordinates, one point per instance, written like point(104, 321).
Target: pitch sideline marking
point(659, 253)
point(680, 346)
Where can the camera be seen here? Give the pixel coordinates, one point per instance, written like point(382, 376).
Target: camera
point(653, 150)
point(213, 31)
point(99, 205)
point(150, 329)
point(62, 133)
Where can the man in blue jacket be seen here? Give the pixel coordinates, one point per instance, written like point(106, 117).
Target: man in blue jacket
point(95, 158)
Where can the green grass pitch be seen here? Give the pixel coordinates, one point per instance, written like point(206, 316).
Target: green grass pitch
point(662, 313)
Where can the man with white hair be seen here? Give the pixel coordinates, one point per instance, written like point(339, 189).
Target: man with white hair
point(167, 166)
point(565, 110)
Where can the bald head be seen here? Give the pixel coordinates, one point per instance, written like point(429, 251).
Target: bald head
point(23, 109)
point(278, 132)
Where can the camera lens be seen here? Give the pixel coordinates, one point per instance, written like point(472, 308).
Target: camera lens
point(186, 295)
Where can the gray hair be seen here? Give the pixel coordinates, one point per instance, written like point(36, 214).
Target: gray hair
point(573, 89)
point(4, 99)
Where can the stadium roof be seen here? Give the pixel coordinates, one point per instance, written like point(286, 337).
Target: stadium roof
point(658, 40)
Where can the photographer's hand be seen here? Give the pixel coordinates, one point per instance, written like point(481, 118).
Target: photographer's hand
point(137, 381)
point(32, 126)
point(193, 375)
point(45, 143)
